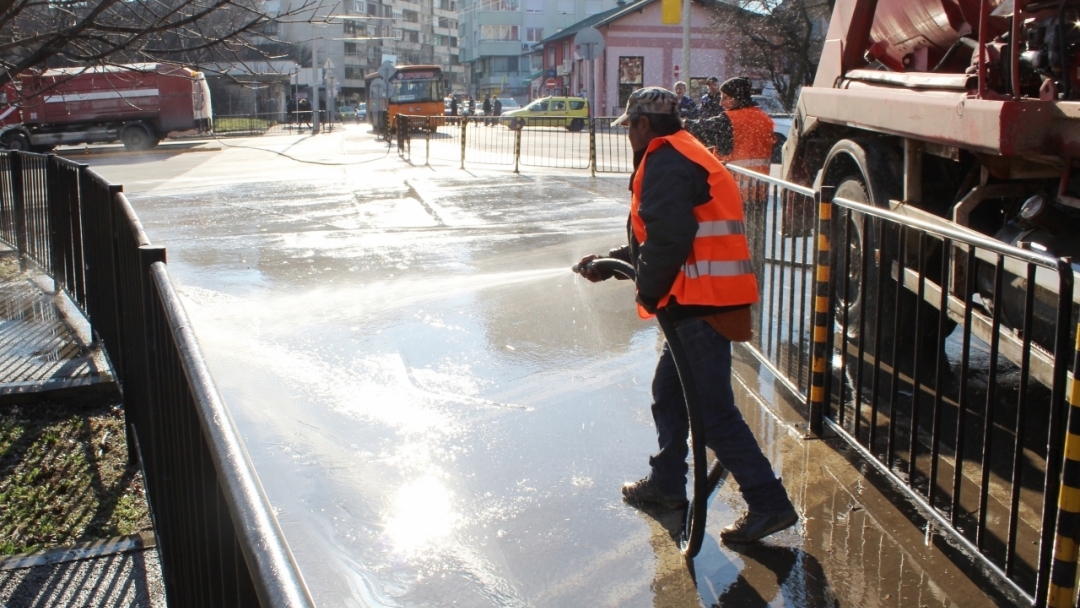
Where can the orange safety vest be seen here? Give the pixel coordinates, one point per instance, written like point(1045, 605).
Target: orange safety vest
point(752, 130)
point(718, 271)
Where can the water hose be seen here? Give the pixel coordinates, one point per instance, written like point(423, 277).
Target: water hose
point(705, 480)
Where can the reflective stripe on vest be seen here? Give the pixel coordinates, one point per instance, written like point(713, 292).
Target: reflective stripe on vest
point(718, 271)
point(721, 228)
point(752, 131)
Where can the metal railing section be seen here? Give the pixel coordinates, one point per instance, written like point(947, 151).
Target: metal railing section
point(565, 142)
point(218, 540)
point(273, 123)
point(942, 360)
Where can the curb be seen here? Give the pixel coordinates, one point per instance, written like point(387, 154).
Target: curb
point(80, 551)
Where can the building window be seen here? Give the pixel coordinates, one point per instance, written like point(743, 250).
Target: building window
point(534, 6)
point(498, 64)
point(566, 7)
point(499, 5)
point(444, 22)
point(631, 76)
point(534, 34)
point(352, 73)
point(593, 6)
point(413, 36)
point(349, 27)
point(551, 56)
point(447, 5)
point(395, 34)
point(350, 49)
point(512, 64)
point(410, 16)
point(506, 33)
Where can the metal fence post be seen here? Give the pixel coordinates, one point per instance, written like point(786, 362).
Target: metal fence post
point(592, 145)
point(517, 148)
point(139, 411)
point(430, 129)
point(1063, 568)
point(464, 126)
point(18, 207)
point(53, 193)
point(822, 348)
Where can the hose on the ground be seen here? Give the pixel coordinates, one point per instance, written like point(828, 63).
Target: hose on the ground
point(693, 530)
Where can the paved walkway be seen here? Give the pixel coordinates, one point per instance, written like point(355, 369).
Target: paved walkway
point(48, 351)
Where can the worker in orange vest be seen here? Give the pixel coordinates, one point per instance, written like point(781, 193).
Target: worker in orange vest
point(687, 242)
point(751, 128)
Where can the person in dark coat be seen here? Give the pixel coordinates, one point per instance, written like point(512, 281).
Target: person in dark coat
point(697, 268)
point(453, 105)
point(487, 109)
point(710, 102)
point(496, 111)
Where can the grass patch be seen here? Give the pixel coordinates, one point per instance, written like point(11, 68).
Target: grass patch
point(9, 268)
point(64, 477)
point(227, 125)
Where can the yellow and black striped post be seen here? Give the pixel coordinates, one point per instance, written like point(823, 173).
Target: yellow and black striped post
point(592, 145)
point(822, 347)
point(464, 124)
point(517, 148)
point(1063, 569)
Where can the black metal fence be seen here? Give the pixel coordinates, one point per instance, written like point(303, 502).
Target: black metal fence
point(219, 542)
point(940, 355)
point(561, 142)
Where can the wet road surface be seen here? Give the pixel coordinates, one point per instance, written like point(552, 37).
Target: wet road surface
point(442, 414)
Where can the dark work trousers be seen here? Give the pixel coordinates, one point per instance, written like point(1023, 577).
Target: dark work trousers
point(726, 432)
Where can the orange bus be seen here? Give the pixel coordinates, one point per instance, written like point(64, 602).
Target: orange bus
point(415, 90)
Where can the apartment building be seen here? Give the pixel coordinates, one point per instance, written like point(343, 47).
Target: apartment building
point(496, 39)
point(357, 35)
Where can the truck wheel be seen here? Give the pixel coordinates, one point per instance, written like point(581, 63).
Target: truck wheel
point(17, 141)
point(137, 137)
point(863, 287)
point(576, 125)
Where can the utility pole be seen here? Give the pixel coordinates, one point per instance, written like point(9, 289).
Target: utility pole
point(686, 44)
point(314, 82)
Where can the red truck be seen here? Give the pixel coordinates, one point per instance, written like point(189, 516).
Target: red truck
point(138, 104)
point(959, 112)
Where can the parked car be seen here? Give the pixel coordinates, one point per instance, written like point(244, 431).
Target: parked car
point(347, 112)
point(509, 104)
point(568, 112)
point(361, 111)
point(781, 123)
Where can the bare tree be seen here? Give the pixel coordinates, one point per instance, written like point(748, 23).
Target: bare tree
point(782, 38)
point(48, 33)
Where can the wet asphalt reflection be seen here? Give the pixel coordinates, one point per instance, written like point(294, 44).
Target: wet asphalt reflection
point(442, 414)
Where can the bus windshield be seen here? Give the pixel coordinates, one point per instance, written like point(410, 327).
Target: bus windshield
point(416, 86)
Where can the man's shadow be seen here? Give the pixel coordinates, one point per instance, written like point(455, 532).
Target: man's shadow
point(717, 579)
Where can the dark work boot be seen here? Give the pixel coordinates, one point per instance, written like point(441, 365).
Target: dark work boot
point(751, 527)
point(644, 492)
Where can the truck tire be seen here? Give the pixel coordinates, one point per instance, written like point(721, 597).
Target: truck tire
point(862, 289)
point(137, 137)
point(17, 140)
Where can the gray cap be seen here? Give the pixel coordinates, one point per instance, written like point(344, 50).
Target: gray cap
point(649, 100)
